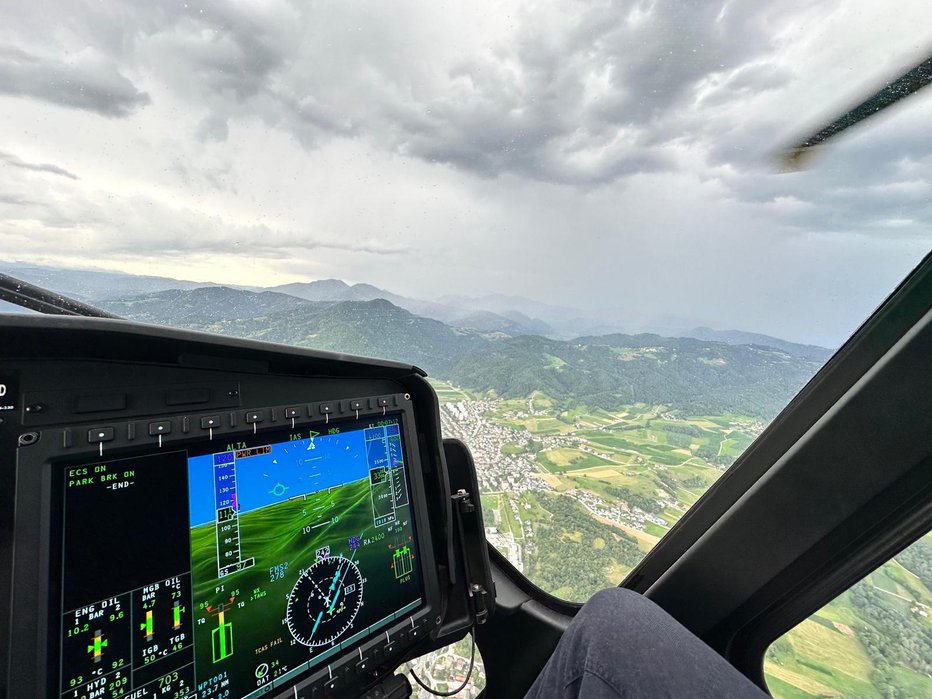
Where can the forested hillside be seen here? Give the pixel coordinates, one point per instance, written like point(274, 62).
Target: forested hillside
point(695, 376)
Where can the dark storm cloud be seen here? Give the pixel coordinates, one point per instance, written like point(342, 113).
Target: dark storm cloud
point(227, 49)
point(587, 96)
point(588, 99)
point(84, 82)
point(590, 103)
point(14, 161)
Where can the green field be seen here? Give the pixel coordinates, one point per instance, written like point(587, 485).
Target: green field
point(875, 640)
point(449, 393)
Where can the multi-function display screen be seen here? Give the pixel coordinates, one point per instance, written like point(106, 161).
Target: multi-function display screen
point(229, 569)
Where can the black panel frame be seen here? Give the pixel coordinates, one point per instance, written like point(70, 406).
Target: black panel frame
point(893, 521)
point(56, 353)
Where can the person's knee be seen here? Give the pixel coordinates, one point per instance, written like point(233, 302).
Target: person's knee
point(618, 616)
point(621, 637)
point(607, 606)
point(607, 615)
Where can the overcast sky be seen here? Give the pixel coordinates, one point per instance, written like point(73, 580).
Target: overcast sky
point(601, 155)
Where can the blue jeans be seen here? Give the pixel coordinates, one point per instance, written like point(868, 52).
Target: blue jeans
point(623, 645)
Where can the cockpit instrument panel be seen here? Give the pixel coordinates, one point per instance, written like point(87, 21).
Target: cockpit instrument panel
point(231, 566)
point(195, 517)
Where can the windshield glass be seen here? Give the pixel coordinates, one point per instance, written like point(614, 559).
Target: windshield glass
point(571, 215)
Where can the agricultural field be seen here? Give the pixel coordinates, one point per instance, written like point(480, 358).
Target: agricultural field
point(872, 641)
point(576, 498)
point(554, 479)
point(651, 464)
point(447, 393)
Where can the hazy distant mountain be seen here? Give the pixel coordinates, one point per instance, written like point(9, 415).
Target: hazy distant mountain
point(206, 307)
point(511, 322)
point(93, 286)
point(739, 337)
point(503, 304)
point(559, 321)
point(330, 290)
point(98, 287)
point(514, 323)
point(490, 343)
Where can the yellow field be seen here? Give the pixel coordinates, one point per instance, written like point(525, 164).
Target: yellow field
point(598, 472)
point(831, 648)
point(561, 457)
point(645, 541)
point(804, 682)
point(615, 477)
point(551, 480)
point(705, 424)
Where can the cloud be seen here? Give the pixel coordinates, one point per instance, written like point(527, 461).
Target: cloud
point(14, 161)
point(85, 80)
point(98, 221)
point(213, 128)
point(577, 94)
point(608, 154)
point(587, 98)
point(582, 97)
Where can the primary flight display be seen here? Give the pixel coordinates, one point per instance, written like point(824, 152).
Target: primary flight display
point(222, 572)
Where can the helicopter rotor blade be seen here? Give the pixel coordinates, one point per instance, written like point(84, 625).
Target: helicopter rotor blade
point(907, 84)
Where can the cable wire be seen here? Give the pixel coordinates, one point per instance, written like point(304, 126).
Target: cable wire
point(472, 658)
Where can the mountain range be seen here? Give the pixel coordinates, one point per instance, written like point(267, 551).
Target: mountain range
point(485, 343)
point(511, 315)
point(694, 376)
point(466, 315)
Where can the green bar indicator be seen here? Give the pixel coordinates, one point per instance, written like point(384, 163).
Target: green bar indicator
point(222, 639)
point(402, 562)
point(147, 625)
point(98, 643)
point(176, 615)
